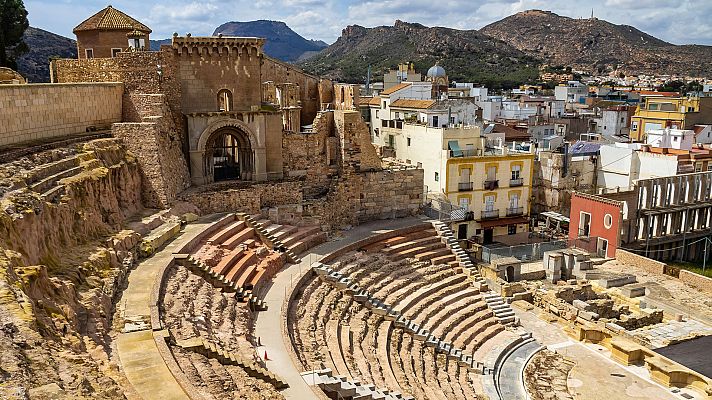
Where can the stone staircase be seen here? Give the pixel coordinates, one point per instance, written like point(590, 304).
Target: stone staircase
point(219, 281)
point(210, 350)
point(268, 238)
point(389, 313)
point(502, 310)
point(353, 389)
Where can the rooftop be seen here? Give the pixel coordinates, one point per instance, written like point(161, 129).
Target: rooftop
point(412, 103)
point(395, 88)
point(111, 19)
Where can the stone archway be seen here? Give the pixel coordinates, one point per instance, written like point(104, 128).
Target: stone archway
point(228, 156)
point(227, 150)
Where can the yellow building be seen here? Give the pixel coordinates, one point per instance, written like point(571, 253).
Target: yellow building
point(496, 187)
point(669, 112)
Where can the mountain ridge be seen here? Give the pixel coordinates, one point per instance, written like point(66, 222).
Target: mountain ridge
point(282, 42)
point(465, 54)
point(596, 46)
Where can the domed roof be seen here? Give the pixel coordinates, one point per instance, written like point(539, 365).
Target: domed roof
point(436, 71)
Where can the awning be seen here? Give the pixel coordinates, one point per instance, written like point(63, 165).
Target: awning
point(455, 147)
point(503, 222)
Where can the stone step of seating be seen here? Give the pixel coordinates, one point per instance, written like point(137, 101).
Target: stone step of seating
point(228, 261)
point(52, 180)
point(298, 235)
point(308, 242)
point(439, 256)
point(413, 251)
point(248, 259)
point(217, 280)
point(411, 244)
point(341, 387)
point(54, 195)
point(253, 369)
point(396, 240)
point(284, 231)
point(225, 233)
point(44, 171)
point(244, 234)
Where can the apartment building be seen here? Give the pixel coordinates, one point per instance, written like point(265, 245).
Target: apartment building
point(656, 113)
point(664, 218)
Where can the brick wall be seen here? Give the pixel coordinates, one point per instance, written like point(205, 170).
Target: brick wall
point(40, 111)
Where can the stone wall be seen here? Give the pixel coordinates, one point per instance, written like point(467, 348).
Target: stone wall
point(701, 282)
point(42, 111)
point(280, 72)
point(390, 194)
point(250, 199)
point(649, 265)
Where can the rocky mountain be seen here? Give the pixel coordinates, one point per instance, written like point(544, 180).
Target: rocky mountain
point(466, 55)
point(282, 42)
point(594, 45)
point(35, 64)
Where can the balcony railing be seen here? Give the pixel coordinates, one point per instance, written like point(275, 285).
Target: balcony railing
point(584, 233)
point(491, 185)
point(514, 211)
point(465, 153)
point(516, 182)
point(464, 186)
point(490, 214)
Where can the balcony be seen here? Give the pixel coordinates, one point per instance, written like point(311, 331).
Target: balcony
point(465, 153)
point(516, 182)
point(490, 214)
point(584, 233)
point(491, 185)
point(464, 186)
point(515, 211)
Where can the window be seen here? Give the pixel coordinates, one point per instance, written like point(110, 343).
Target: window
point(376, 114)
point(89, 53)
point(489, 203)
point(435, 121)
point(511, 229)
point(408, 142)
point(634, 126)
point(115, 52)
point(437, 177)
point(709, 166)
point(452, 120)
point(397, 115)
point(653, 107)
point(674, 138)
point(608, 221)
point(698, 167)
point(584, 224)
point(384, 123)
point(464, 203)
point(225, 100)
point(384, 104)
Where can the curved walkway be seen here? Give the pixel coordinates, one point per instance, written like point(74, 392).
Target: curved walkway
point(269, 324)
point(141, 360)
point(509, 377)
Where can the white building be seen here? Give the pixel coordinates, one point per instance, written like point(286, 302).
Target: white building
point(614, 121)
point(572, 92)
point(681, 139)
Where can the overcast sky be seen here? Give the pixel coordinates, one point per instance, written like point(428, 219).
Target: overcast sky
point(676, 21)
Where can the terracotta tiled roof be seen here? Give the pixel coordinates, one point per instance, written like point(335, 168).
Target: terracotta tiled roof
point(395, 88)
point(110, 19)
point(374, 101)
point(511, 134)
point(410, 103)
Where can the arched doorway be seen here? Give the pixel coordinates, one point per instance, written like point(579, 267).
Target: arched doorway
point(510, 274)
point(229, 155)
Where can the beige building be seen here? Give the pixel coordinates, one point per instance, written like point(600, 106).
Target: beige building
point(404, 73)
point(108, 33)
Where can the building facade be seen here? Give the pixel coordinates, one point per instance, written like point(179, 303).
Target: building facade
point(110, 32)
point(670, 112)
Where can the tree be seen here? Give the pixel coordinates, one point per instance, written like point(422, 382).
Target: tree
point(13, 23)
